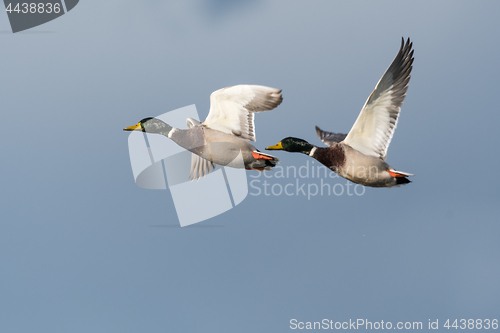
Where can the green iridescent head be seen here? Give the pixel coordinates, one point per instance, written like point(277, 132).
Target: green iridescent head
point(151, 125)
point(293, 145)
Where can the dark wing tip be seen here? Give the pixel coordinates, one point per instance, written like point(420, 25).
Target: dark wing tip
point(329, 138)
point(318, 131)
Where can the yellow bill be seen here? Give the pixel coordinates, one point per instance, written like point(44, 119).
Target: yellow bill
point(134, 128)
point(275, 147)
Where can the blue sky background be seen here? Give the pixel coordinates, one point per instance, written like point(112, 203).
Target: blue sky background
point(83, 249)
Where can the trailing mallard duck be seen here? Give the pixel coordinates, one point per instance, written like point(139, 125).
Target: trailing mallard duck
point(223, 138)
point(360, 155)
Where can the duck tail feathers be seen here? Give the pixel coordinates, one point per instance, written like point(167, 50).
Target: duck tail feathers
point(402, 181)
point(269, 159)
point(400, 176)
point(397, 174)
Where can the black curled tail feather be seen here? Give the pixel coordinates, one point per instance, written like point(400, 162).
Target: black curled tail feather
point(402, 180)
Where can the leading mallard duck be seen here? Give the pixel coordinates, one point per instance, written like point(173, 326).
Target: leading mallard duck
point(226, 132)
point(360, 155)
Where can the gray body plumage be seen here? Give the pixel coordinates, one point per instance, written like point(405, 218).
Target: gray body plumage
point(212, 145)
point(218, 147)
point(355, 166)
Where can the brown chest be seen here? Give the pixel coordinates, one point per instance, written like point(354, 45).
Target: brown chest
point(332, 157)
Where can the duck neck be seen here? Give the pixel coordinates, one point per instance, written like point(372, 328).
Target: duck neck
point(309, 149)
point(166, 130)
point(312, 151)
point(158, 127)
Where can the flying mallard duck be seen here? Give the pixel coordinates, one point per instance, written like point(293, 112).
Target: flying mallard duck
point(226, 131)
point(360, 155)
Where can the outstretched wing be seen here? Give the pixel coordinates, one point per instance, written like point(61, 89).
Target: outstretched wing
point(372, 132)
point(329, 138)
point(232, 109)
point(200, 167)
